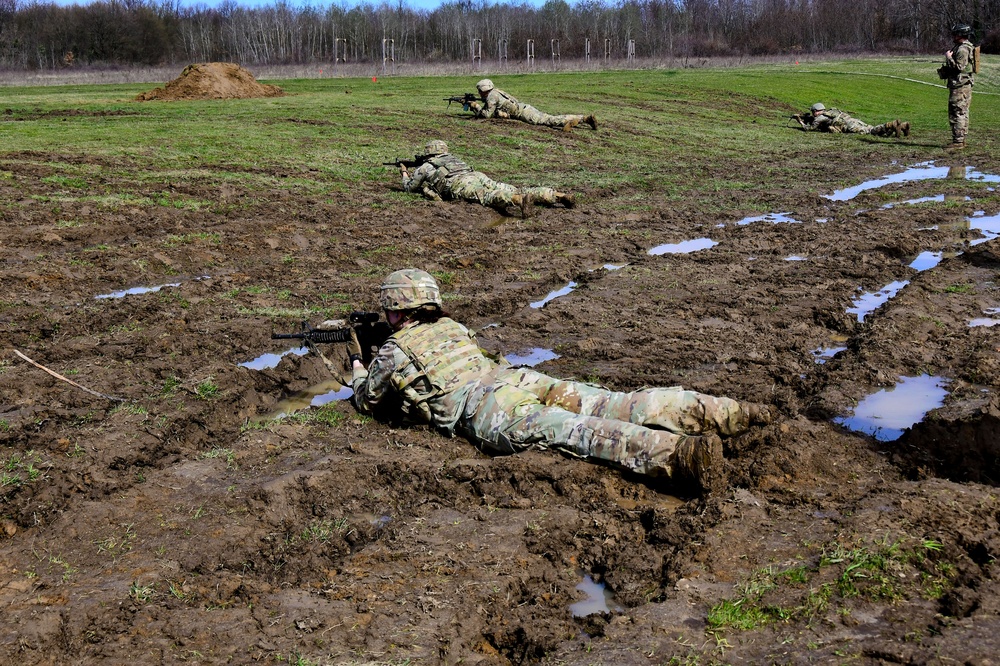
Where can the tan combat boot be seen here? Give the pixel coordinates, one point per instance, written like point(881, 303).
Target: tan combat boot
point(955, 146)
point(758, 414)
point(905, 127)
point(592, 121)
point(524, 202)
point(567, 200)
point(570, 125)
point(698, 464)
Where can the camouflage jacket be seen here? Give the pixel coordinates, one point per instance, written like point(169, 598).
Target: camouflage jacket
point(432, 366)
point(433, 177)
point(500, 104)
point(828, 120)
point(958, 66)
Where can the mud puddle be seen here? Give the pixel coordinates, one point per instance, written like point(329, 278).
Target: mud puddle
point(314, 396)
point(532, 357)
point(684, 247)
point(773, 218)
point(599, 599)
point(870, 301)
point(552, 295)
point(271, 360)
point(887, 413)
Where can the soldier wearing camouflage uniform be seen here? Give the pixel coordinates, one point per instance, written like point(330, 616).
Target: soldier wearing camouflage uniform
point(958, 69)
point(444, 176)
point(822, 119)
point(435, 365)
point(497, 103)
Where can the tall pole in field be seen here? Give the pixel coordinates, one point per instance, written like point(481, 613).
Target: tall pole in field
point(477, 53)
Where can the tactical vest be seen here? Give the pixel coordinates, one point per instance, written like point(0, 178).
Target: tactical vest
point(505, 102)
point(448, 165)
point(445, 364)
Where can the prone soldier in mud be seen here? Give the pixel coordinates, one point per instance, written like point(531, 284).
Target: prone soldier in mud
point(440, 175)
point(960, 66)
point(435, 367)
point(498, 104)
point(821, 119)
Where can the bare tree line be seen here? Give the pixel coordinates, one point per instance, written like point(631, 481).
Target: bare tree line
point(43, 35)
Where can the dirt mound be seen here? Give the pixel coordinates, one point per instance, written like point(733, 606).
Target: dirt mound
point(212, 80)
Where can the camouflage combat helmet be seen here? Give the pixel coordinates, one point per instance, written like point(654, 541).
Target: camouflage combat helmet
point(818, 106)
point(962, 30)
point(436, 147)
point(409, 288)
point(484, 86)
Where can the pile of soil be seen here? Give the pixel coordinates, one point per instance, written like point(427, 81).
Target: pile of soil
point(212, 80)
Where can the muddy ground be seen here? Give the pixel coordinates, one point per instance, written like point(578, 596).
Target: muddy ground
point(169, 528)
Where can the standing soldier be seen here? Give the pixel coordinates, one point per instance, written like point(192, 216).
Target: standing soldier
point(822, 119)
point(959, 68)
point(496, 102)
point(444, 176)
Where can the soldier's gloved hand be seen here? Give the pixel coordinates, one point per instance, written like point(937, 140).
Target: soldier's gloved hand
point(503, 114)
point(476, 107)
point(354, 347)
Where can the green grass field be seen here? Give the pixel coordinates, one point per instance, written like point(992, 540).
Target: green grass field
point(673, 132)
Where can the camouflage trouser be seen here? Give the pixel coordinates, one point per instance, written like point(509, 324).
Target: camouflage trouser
point(478, 187)
point(854, 126)
point(530, 114)
point(521, 409)
point(959, 100)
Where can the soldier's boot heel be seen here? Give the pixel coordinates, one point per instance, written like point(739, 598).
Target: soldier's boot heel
point(758, 414)
point(525, 203)
point(905, 127)
point(592, 121)
point(567, 200)
point(698, 464)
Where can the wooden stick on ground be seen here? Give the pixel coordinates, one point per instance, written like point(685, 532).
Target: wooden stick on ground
point(67, 380)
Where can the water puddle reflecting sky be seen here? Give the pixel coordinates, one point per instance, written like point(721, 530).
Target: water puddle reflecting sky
point(937, 197)
point(554, 294)
point(988, 226)
point(886, 414)
point(122, 293)
point(598, 600)
point(532, 357)
point(870, 301)
point(926, 260)
point(136, 290)
point(822, 354)
point(314, 396)
point(773, 218)
point(684, 247)
point(795, 257)
point(267, 361)
point(917, 172)
point(986, 321)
